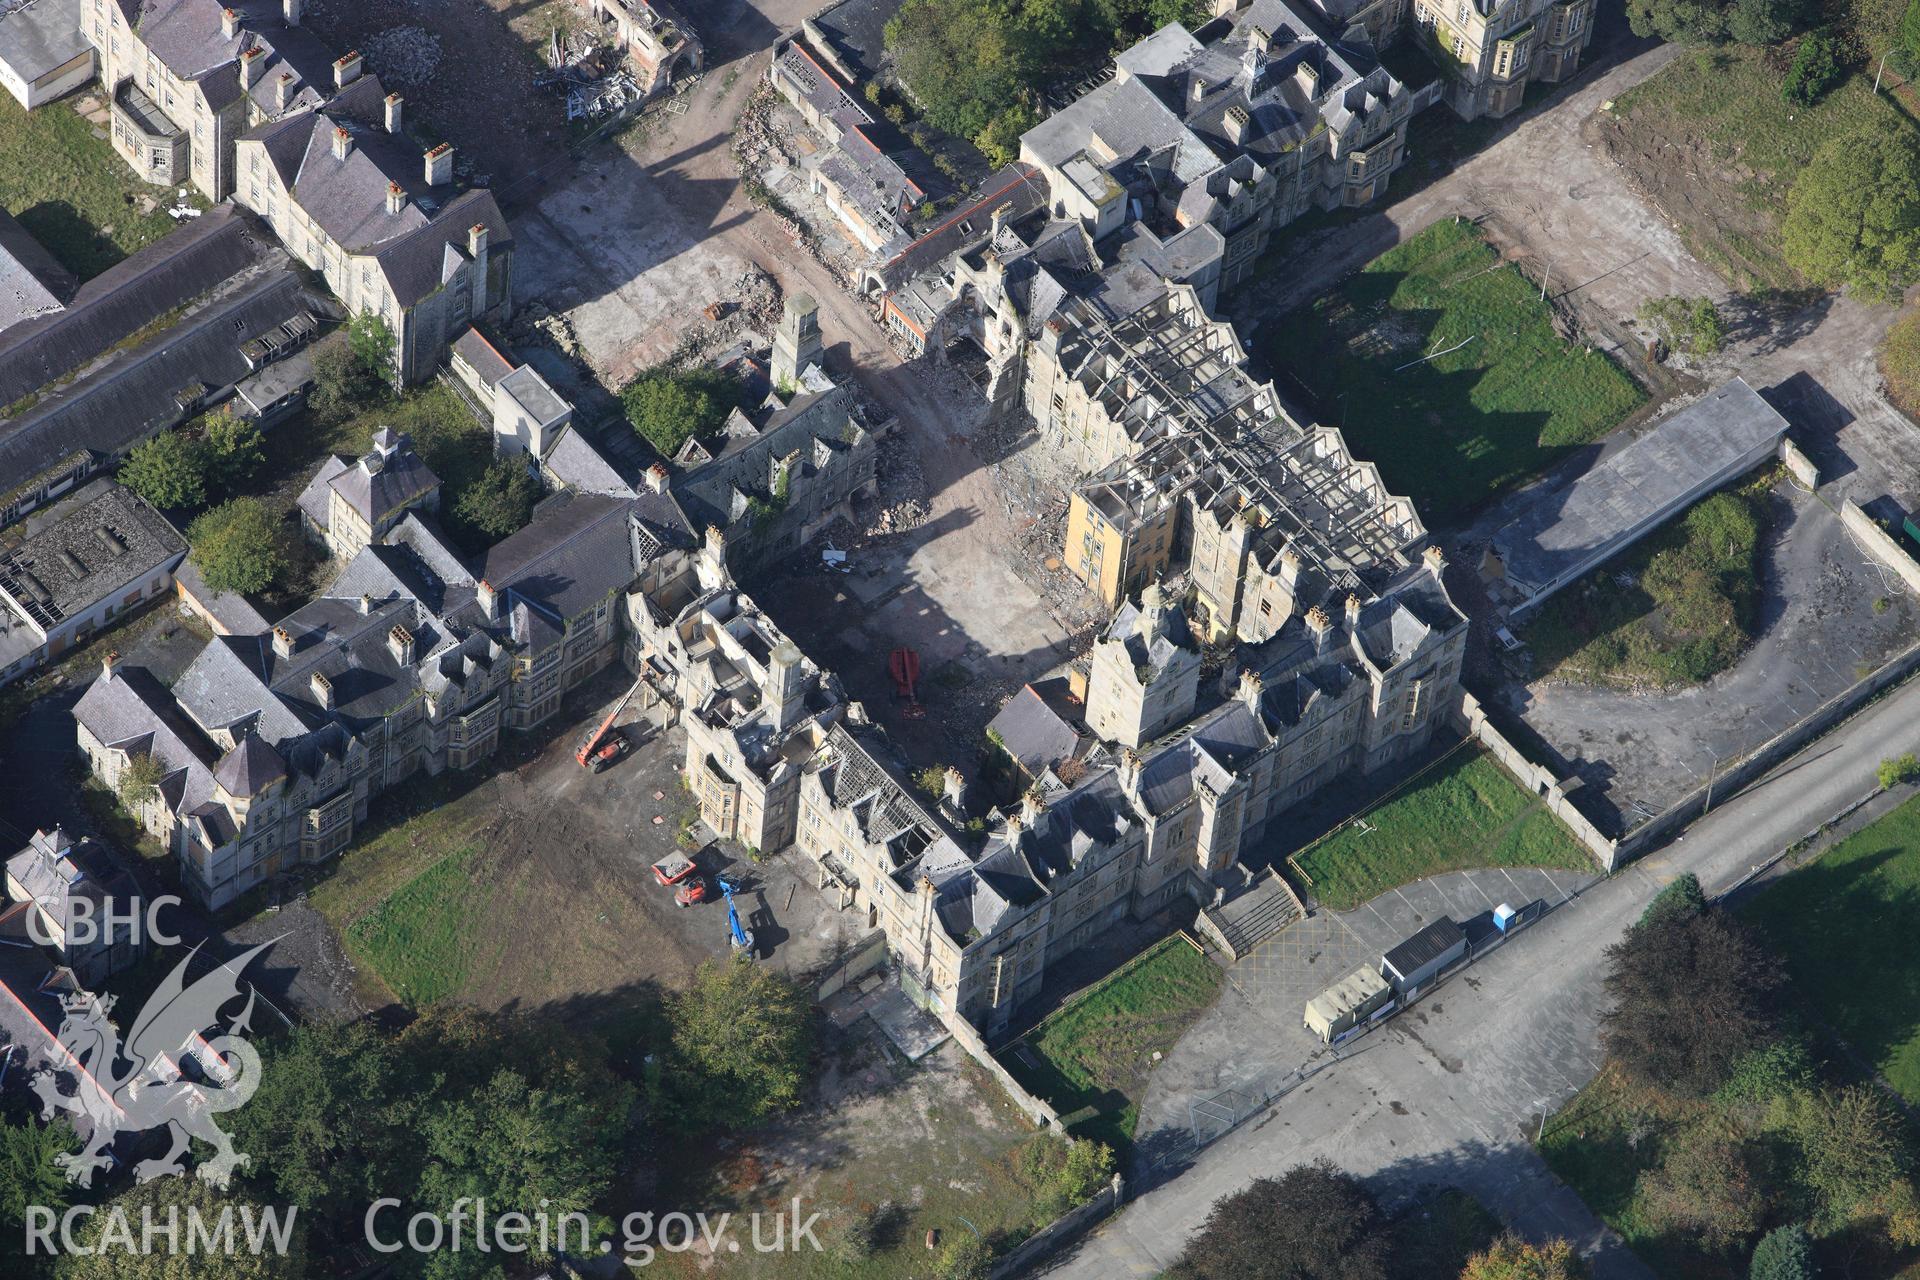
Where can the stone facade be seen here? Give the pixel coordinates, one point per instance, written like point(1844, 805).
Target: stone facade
point(1491, 50)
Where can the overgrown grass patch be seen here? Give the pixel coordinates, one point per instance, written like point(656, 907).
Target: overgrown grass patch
point(1599, 1144)
point(1712, 136)
point(1678, 608)
point(1098, 1051)
point(1443, 365)
point(1843, 924)
point(1463, 811)
point(422, 938)
point(71, 192)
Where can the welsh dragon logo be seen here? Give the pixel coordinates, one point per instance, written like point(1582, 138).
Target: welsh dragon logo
point(139, 1085)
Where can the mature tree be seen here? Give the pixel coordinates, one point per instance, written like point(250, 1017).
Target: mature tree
point(741, 1034)
point(1816, 68)
point(1512, 1258)
point(257, 1250)
point(670, 408)
point(372, 343)
point(1679, 21)
point(1692, 995)
point(234, 449)
point(236, 546)
point(28, 1178)
point(339, 383)
point(497, 502)
point(1854, 1161)
point(1853, 213)
point(1313, 1222)
point(521, 1148)
point(138, 779)
point(169, 471)
point(1784, 1253)
point(1712, 1186)
point(1764, 22)
point(1681, 897)
point(333, 1124)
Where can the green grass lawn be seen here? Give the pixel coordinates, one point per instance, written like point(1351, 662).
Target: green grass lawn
point(423, 938)
point(1464, 811)
point(71, 192)
point(1712, 134)
point(1451, 432)
point(1098, 1051)
point(1842, 924)
point(1678, 608)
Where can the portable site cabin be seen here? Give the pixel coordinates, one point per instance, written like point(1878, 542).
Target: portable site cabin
point(1347, 1003)
point(1417, 961)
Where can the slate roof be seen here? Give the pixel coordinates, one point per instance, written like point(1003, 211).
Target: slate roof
point(250, 767)
point(581, 548)
point(1018, 189)
point(1034, 733)
point(187, 263)
point(575, 463)
point(225, 687)
point(138, 391)
point(385, 478)
point(482, 355)
point(56, 872)
point(187, 36)
point(31, 282)
point(132, 711)
point(856, 30)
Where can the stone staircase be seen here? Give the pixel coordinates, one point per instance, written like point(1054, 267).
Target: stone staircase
point(1241, 923)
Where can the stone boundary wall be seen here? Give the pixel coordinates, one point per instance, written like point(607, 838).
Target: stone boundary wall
point(1880, 544)
point(1471, 719)
point(1799, 463)
point(1033, 1108)
point(1062, 1231)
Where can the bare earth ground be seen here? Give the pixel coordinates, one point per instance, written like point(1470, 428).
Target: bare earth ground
point(1558, 202)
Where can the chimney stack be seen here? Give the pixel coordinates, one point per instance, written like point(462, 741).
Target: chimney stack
point(394, 102)
point(322, 691)
point(366, 604)
point(1320, 627)
point(489, 599)
point(1032, 805)
point(1436, 561)
point(346, 69)
point(282, 642)
point(1129, 768)
point(396, 197)
point(283, 91)
point(290, 10)
point(953, 790)
point(1353, 611)
point(439, 162)
point(229, 24)
point(108, 663)
point(657, 477)
point(400, 645)
point(477, 250)
point(1250, 686)
point(253, 65)
point(342, 143)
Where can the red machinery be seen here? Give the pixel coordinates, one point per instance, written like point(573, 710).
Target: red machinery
point(603, 746)
point(904, 667)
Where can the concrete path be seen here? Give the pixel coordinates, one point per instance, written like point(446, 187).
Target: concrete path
point(1450, 1092)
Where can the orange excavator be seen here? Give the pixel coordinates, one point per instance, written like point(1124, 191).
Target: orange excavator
point(603, 746)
